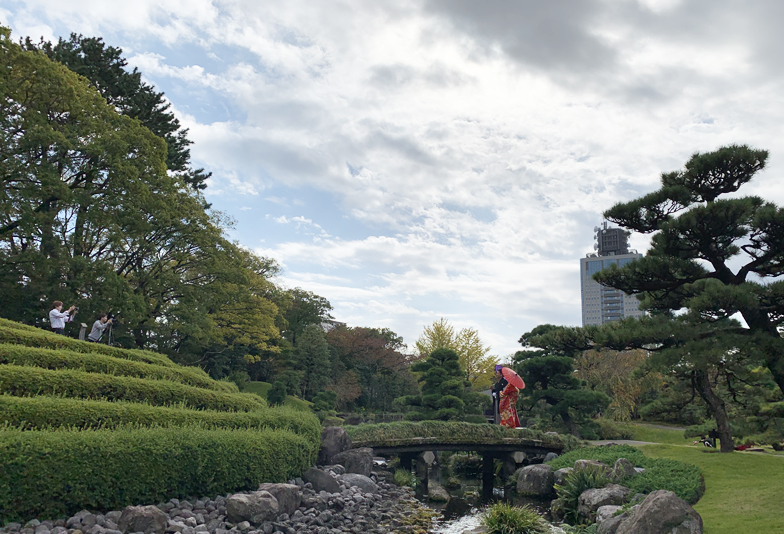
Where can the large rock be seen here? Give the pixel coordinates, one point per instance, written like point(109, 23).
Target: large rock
point(436, 492)
point(359, 461)
point(662, 512)
point(321, 480)
point(590, 500)
point(593, 465)
point(603, 513)
point(535, 480)
point(255, 507)
point(361, 481)
point(334, 439)
point(456, 507)
point(147, 519)
point(610, 526)
point(561, 474)
point(623, 468)
point(288, 496)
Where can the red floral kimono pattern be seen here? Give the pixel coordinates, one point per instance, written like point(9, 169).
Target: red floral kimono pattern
point(508, 407)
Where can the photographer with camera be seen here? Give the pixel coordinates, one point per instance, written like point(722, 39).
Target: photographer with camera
point(58, 317)
point(103, 322)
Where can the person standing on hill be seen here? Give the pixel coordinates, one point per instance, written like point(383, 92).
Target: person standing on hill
point(58, 317)
point(98, 327)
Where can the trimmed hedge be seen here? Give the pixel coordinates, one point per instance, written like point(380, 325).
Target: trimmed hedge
point(57, 473)
point(452, 432)
point(31, 381)
point(35, 337)
point(43, 413)
point(101, 363)
point(679, 477)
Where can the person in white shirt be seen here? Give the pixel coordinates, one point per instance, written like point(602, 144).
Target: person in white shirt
point(98, 327)
point(58, 317)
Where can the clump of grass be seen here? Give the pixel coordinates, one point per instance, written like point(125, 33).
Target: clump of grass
point(503, 518)
point(574, 484)
point(404, 478)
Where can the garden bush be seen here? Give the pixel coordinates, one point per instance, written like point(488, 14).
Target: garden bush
point(575, 483)
point(42, 413)
point(503, 518)
point(34, 337)
point(102, 363)
point(30, 381)
point(52, 474)
point(679, 477)
point(609, 429)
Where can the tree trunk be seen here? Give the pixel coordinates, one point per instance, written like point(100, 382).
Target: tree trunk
point(717, 408)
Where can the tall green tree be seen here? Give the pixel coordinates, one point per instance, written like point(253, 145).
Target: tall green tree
point(91, 215)
point(107, 71)
point(711, 255)
point(549, 374)
point(304, 308)
point(311, 358)
point(444, 388)
point(475, 360)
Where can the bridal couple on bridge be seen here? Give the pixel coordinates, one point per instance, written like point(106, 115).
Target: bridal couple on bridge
point(505, 393)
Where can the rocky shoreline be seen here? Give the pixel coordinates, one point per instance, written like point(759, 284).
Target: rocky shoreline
point(359, 504)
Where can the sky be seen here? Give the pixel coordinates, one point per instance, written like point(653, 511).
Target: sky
point(416, 159)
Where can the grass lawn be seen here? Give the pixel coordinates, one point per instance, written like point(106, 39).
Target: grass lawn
point(744, 491)
point(261, 389)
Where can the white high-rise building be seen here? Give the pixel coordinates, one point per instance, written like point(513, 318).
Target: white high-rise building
point(604, 304)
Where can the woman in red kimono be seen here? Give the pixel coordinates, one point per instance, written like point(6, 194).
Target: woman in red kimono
point(507, 393)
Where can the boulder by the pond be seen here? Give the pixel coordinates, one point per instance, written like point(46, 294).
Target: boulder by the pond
point(456, 507)
point(535, 480)
point(147, 519)
point(321, 480)
point(255, 507)
point(334, 440)
point(360, 481)
point(590, 500)
point(287, 495)
point(436, 492)
point(359, 461)
point(662, 512)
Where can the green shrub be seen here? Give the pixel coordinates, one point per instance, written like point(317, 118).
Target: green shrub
point(404, 478)
point(101, 363)
point(576, 482)
point(609, 429)
point(42, 413)
point(34, 337)
point(30, 381)
point(277, 394)
point(57, 473)
point(679, 477)
point(503, 518)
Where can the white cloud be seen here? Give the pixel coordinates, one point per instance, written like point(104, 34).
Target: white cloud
point(476, 145)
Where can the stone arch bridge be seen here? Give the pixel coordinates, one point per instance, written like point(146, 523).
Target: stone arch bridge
point(419, 452)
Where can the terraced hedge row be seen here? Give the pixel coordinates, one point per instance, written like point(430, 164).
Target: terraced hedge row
point(51, 474)
point(31, 381)
point(11, 332)
point(102, 363)
point(40, 413)
point(88, 426)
